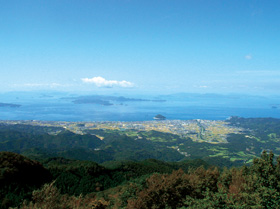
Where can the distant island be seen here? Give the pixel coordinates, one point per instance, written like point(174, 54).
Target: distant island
point(92, 101)
point(107, 100)
point(159, 117)
point(9, 105)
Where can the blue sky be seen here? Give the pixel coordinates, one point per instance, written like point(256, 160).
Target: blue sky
point(137, 46)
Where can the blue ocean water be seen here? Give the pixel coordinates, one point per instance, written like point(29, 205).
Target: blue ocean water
point(175, 107)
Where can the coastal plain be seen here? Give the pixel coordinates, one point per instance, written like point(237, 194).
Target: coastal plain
point(235, 141)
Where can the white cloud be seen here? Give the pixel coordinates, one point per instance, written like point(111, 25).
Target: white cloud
point(248, 57)
point(201, 86)
point(102, 82)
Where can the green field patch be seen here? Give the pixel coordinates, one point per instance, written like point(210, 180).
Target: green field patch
point(232, 159)
point(258, 139)
point(218, 149)
point(131, 134)
point(241, 153)
point(159, 139)
point(250, 161)
point(218, 155)
point(242, 156)
point(273, 137)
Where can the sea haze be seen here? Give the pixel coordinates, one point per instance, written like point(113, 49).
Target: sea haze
point(183, 106)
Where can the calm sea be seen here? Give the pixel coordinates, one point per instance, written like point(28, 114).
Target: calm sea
point(183, 107)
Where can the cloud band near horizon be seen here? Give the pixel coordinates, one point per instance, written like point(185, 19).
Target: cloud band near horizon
point(102, 82)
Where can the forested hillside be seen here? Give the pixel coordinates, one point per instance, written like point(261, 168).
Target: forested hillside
point(147, 184)
point(20, 175)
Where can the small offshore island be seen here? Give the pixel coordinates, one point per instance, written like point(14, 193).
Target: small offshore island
point(159, 117)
